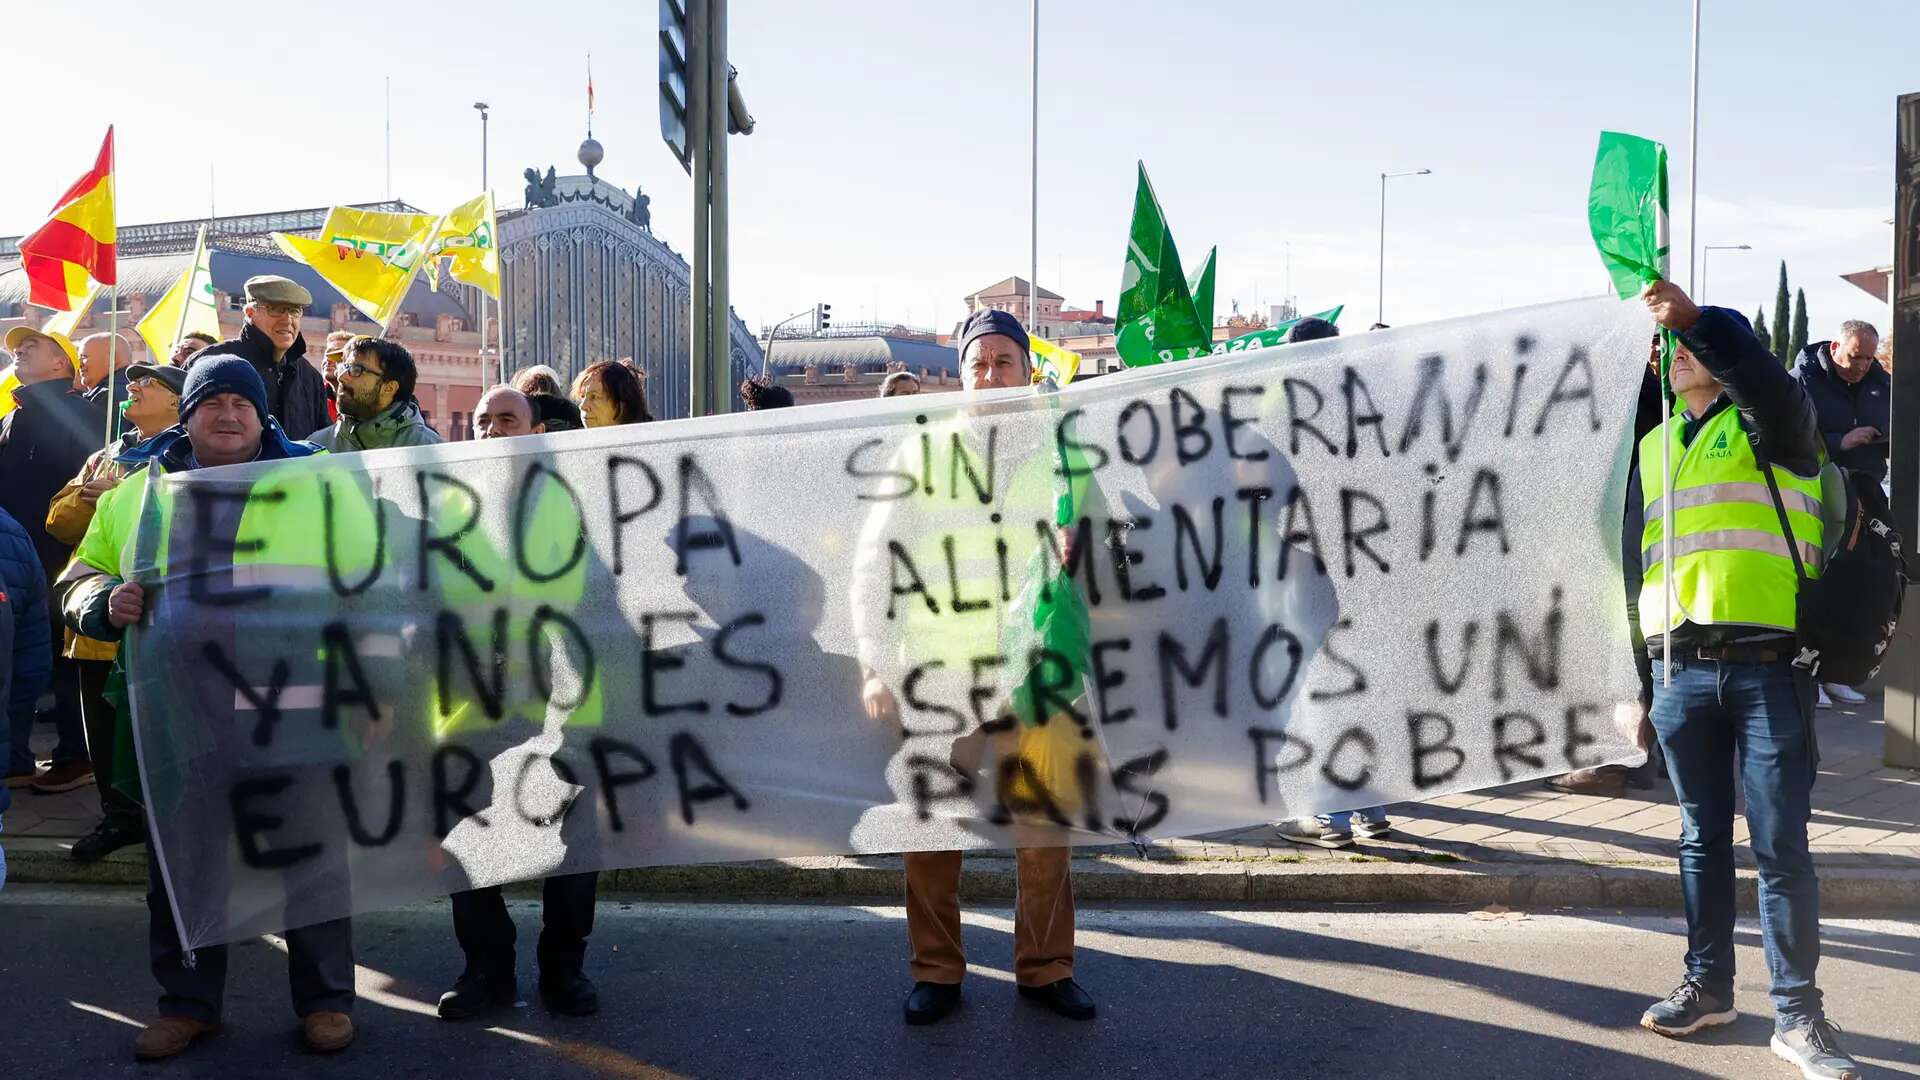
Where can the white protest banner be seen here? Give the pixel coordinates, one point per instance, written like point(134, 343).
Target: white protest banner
point(1190, 597)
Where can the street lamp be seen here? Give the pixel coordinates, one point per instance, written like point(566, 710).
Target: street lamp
point(481, 107)
point(1706, 257)
point(1380, 303)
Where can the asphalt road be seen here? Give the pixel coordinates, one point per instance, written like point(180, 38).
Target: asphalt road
point(739, 990)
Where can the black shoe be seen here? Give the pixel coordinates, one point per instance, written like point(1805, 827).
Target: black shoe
point(474, 993)
point(1064, 997)
point(928, 1002)
point(106, 838)
point(571, 994)
point(1688, 1009)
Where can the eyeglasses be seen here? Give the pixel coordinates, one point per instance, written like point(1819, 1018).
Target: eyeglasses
point(148, 383)
point(356, 369)
point(283, 311)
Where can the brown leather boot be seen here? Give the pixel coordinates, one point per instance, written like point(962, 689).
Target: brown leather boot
point(1609, 781)
point(328, 1032)
point(168, 1036)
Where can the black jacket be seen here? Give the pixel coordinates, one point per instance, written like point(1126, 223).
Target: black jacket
point(1774, 410)
point(296, 394)
point(97, 397)
point(43, 443)
point(1843, 406)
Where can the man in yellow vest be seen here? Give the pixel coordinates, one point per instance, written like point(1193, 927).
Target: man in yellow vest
point(224, 420)
point(1732, 698)
point(994, 354)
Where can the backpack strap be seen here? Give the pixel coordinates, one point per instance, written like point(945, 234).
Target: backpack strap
point(1779, 509)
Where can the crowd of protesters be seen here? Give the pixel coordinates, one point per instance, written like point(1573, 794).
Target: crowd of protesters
point(1732, 708)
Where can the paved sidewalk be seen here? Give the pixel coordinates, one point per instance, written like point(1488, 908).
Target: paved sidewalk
point(1518, 845)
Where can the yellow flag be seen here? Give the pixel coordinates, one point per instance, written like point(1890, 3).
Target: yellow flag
point(1052, 361)
point(369, 256)
point(9, 382)
point(465, 238)
point(187, 306)
point(64, 323)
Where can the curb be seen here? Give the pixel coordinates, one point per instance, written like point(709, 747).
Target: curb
point(1102, 877)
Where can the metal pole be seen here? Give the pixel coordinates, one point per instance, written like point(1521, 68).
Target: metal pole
point(1033, 205)
point(1693, 153)
point(698, 322)
point(502, 365)
point(720, 337)
point(389, 138)
point(1380, 301)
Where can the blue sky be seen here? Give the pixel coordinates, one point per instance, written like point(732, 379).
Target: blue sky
point(889, 171)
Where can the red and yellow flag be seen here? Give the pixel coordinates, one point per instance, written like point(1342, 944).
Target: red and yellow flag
point(75, 246)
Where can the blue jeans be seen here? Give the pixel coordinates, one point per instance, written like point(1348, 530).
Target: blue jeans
point(1762, 711)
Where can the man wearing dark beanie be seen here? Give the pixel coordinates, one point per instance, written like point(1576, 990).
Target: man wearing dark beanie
point(223, 421)
point(993, 356)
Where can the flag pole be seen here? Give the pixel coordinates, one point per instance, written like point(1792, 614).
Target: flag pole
point(1666, 401)
point(113, 352)
point(199, 248)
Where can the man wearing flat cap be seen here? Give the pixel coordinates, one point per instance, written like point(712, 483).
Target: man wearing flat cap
point(271, 342)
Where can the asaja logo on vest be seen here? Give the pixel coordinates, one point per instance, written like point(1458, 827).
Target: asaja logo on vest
point(1719, 448)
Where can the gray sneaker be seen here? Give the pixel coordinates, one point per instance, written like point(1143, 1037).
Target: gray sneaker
point(1313, 831)
point(1816, 1049)
point(1688, 1009)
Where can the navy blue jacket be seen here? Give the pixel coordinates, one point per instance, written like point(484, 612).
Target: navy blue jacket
point(43, 443)
point(31, 659)
point(1843, 406)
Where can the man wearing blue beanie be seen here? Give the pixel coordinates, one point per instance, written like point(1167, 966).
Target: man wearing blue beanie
point(223, 421)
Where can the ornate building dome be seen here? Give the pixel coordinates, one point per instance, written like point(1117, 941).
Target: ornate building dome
point(584, 278)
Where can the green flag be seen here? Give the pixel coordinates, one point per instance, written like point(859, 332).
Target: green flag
point(1627, 209)
point(1200, 285)
point(1273, 335)
point(1156, 318)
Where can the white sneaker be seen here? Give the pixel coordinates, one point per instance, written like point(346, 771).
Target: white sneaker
point(1363, 829)
point(1845, 695)
point(1825, 702)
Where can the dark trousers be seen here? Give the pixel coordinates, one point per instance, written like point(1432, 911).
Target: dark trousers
point(71, 738)
point(102, 745)
point(486, 933)
point(319, 963)
point(1715, 717)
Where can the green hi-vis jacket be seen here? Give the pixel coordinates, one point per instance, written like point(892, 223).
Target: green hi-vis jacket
point(1731, 564)
point(240, 574)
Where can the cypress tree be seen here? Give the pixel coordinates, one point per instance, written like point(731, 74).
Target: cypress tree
point(1781, 315)
point(1760, 329)
point(1799, 340)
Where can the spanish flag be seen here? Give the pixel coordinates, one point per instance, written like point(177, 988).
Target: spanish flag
point(64, 258)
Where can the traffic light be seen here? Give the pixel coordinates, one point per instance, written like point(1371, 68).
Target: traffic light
point(822, 315)
point(678, 39)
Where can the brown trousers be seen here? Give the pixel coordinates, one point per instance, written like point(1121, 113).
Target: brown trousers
point(1042, 916)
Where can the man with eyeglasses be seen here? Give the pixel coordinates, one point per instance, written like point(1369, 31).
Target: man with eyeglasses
point(375, 393)
point(271, 342)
